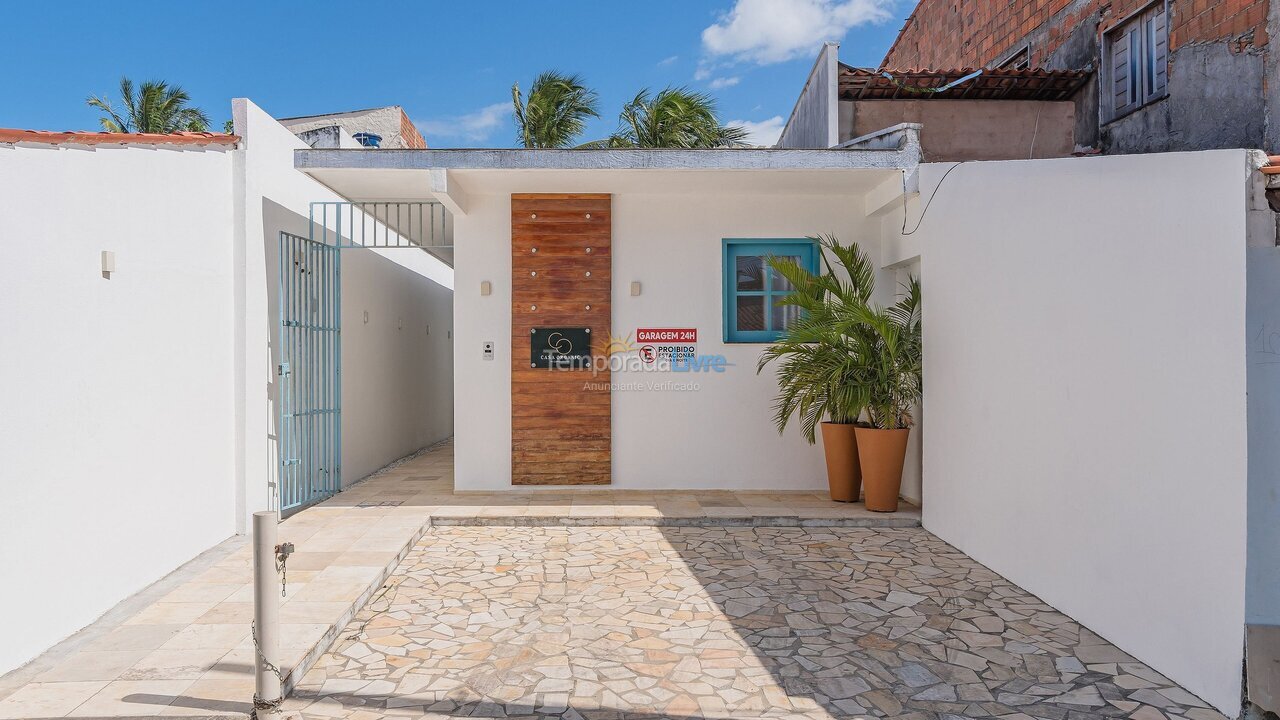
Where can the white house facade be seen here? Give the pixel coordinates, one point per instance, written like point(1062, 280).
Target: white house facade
point(1098, 401)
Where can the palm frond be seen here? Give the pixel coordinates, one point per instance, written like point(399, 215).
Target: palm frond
point(152, 107)
point(843, 357)
point(111, 121)
point(674, 117)
point(555, 111)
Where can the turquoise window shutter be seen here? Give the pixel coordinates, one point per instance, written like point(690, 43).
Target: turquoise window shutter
point(752, 289)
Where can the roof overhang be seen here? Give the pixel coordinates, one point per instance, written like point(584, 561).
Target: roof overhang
point(450, 175)
point(960, 84)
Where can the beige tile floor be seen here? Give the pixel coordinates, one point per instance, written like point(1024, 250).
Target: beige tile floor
point(182, 647)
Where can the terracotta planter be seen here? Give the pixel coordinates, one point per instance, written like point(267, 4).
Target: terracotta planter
point(881, 454)
point(844, 475)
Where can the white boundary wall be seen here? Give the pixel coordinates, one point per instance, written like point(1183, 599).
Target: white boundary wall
point(136, 432)
point(1263, 334)
point(381, 419)
point(1085, 386)
point(116, 432)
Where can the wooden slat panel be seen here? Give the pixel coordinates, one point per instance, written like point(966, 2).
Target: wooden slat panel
point(526, 241)
point(588, 234)
point(579, 455)
point(519, 197)
point(560, 419)
point(533, 201)
point(531, 221)
point(560, 468)
point(552, 444)
point(566, 473)
point(560, 434)
point(563, 266)
point(554, 247)
point(576, 479)
point(557, 380)
point(561, 287)
point(578, 404)
point(554, 306)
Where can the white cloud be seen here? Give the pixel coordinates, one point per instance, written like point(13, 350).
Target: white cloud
point(771, 31)
point(668, 60)
point(724, 82)
point(474, 127)
point(764, 133)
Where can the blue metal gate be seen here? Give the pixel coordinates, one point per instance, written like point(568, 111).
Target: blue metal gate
point(308, 377)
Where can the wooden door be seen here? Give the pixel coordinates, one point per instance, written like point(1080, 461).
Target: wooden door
point(560, 278)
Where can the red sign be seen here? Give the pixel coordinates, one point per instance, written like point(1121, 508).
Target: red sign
point(671, 335)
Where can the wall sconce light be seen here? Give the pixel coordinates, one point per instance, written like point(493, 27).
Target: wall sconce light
point(108, 263)
point(635, 287)
point(486, 287)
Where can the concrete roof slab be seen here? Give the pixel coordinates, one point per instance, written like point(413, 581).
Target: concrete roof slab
point(629, 159)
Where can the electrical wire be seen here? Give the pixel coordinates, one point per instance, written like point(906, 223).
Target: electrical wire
point(921, 90)
point(1031, 153)
point(927, 203)
point(1030, 156)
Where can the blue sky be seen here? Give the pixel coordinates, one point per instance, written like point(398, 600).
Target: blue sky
point(451, 65)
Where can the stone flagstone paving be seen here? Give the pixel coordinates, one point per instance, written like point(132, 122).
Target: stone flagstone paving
point(719, 622)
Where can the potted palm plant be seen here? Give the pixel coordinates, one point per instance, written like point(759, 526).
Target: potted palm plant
point(888, 349)
point(817, 364)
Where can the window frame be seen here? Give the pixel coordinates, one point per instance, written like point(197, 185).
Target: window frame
point(1136, 26)
point(729, 285)
point(1017, 59)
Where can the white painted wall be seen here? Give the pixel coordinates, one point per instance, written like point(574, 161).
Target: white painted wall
point(276, 198)
point(116, 434)
point(135, 411)
point(719, 436)
point(1262, 606)
point(397, 368)
point(1085, 382)
point(814, 121)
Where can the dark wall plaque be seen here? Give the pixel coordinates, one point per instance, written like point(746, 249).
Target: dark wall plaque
point(561, 348)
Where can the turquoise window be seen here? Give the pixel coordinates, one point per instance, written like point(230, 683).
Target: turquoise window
point(752, 289)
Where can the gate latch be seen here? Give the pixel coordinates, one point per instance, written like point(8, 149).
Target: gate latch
point(282, 369)
point(283, 551)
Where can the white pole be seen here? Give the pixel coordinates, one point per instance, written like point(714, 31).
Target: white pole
point(266, 617)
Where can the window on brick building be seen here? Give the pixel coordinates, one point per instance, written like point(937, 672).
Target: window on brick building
point(1136, 62)
point(1018, 60)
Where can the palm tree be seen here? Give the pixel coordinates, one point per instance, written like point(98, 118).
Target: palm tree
point(556, 111)
point(891, 359)
point(819, 375)
point(155, 108)
point(845, 356)
point(673, 118)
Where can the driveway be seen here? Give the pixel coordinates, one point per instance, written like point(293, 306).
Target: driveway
point(719, 622)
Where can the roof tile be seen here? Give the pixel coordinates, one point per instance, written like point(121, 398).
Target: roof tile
point(48, 137)
point(991, 84)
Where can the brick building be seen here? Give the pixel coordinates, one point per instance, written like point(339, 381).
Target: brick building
point(1167, 74)
point(385, 127)
point(995, 114)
